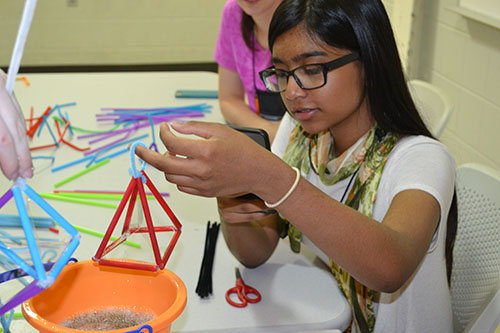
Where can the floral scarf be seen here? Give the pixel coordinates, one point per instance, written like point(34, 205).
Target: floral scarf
point(367, 158)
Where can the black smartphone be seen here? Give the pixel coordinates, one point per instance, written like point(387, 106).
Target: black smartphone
point(262, 138)
point(257, 134)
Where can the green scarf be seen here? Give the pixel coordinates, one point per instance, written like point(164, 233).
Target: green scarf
point(368, 155)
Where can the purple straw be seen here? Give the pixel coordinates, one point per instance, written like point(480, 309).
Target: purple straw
point(6, 197)
point(31, 290)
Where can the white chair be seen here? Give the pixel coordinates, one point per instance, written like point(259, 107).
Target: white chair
point(475, 277)
point(434, 106)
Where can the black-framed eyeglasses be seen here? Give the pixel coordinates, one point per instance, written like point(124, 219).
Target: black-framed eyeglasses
point(308, 77)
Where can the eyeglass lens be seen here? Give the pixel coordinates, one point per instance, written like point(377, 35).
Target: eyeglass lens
point(308, 77)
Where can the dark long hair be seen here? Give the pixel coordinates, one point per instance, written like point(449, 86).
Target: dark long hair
point(363, 26)
point(247, 25)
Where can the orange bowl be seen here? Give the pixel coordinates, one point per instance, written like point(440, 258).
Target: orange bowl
point(86, 286)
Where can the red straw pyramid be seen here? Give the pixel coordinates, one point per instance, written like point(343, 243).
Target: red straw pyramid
point(136, 186)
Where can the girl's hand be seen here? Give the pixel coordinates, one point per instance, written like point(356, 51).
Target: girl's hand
point(15, 156)
point(234, 210)
point(221, 162)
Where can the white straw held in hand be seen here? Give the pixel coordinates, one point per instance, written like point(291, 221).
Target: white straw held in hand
point(22, 35)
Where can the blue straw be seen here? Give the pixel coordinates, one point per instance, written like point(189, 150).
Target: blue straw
point(52, 134)
point(100, 159)
point(7, 220)
point(51, 211)
point(28, 231)
point(69, 127)
point(17, 260)
point(83, 159)
point(43, 158)
point(65, 105)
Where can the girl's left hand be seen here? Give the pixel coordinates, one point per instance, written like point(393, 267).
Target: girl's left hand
point(221, 162)
point(234, 210)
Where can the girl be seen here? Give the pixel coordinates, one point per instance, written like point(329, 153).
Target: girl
point(360, 180)
point(242, 52)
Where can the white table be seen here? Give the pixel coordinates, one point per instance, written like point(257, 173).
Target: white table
point(299, 293)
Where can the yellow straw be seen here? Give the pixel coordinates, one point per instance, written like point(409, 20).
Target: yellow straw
point(75, 200)
point(78, 174)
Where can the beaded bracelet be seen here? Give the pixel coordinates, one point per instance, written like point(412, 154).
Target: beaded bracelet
point(290, 191)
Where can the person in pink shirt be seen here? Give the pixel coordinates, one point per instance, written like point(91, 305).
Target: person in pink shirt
point(241, 52)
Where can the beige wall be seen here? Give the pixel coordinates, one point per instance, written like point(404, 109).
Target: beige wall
point(463, 58)
point(113, 32)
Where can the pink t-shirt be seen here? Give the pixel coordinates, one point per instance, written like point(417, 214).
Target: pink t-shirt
point(232, 53)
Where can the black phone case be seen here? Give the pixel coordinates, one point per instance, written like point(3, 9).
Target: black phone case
point(262, 138)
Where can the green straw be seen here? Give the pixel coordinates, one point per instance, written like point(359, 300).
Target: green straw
point(75, 200)
point(16, 315)
point(79, 129)
point(78, 174)
point(100, 234)
point(98, 196)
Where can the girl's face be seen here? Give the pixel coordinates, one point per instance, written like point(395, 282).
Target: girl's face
point(339, 105)
point(258, 7)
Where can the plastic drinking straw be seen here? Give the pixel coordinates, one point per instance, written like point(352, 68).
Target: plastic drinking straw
point(111, 155)
point(43, 157)
point(71, 163)
point(24, 79)
point(96, 196)
point(17, 260)
point(31, 131)
point(81, 173)
point(100, 234)
point(70, 127)
point(61, 137)
point(112, 132)
point(42, 147)
point(16, 315)
point(5, 321)
point(73, 244)
point(114, 220)
point(44, 121)
point(95, 158)
point(28, 231)
point(22, 296)
point(115, 144)
point(22, 35)
point(64, 105)
point(107, 135)
point(153, 145)
point(7, 220)
point(14, 239)
point(51, 134)
point(82, 130)
point(59, 197)
point(5, 197)
point(200, 106)
point(163, 194)
point(32, 110)
point(135, 127)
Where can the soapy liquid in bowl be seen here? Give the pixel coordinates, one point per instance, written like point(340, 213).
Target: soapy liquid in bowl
point(107, 320)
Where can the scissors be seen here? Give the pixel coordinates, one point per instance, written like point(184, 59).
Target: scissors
point(243, 292)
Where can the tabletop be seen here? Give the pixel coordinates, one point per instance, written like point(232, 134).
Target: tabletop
point(298, 292)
